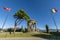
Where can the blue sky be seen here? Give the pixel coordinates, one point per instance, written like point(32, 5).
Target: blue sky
point(38, 10)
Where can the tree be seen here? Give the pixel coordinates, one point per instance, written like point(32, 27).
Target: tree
point(26, 30)
point(20, 16)
point(31, 25)
point(18, 29)
point(10, 30)
point(47, 28)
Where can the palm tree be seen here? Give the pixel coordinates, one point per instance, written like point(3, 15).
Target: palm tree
point(20, 16)
point(31, 25)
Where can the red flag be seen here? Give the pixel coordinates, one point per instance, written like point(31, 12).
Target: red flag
point(8, 9)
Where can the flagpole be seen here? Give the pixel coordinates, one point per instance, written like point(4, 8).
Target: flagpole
point(5, 21)
point(54, 22)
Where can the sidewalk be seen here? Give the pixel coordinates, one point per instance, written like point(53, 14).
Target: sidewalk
point(23, 38)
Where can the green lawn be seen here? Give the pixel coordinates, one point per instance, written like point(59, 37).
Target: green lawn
point(48, 35)
point(31, 34)
point(17, 34)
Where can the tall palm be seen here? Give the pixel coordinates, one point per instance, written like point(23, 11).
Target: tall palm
point(19, 16)
point(32, 25)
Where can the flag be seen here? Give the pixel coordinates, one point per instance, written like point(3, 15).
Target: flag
point(8, 9)
point(54, 10)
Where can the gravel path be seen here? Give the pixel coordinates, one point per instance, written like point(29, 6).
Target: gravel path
point(23, 38)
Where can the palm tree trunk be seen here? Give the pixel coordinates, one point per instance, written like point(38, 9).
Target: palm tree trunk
point(35, 28)
point(29, 27)
point(17, 22)
point(15, 27)
point(14, 30)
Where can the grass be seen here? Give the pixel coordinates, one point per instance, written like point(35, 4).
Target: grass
point(54, 36)
point(17, 34)
point(31, 34)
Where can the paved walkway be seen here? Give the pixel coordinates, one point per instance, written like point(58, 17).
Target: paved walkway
point(23, 38)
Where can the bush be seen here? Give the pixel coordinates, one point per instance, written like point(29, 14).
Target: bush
point(47, 28)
